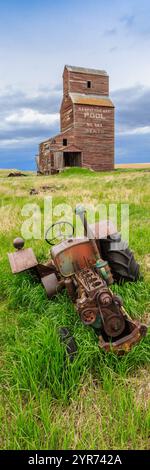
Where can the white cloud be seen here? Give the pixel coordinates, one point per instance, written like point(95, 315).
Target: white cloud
point(31, 116)
point(18, 142)
point(135, 131)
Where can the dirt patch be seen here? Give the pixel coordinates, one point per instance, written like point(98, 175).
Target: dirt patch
point(13, 174)
point(44, 189)
point(33, 192)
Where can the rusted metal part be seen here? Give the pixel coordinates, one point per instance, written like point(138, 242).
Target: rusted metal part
point(72, 255)
point(105, 298)
point(87, 230)
point(70, 286)
point(45, 269)
point(88, 315)
point(111, 313)
point(101, 266)
point(76, 267)
point(45, 188)
point(89, 280)
point(15, 173)
point(113, 321)
point(52, 285)
point(33, 192)
point(96, 300)
point(18, 243)
point(133, 333)
point(50, 278)
point(22, 260)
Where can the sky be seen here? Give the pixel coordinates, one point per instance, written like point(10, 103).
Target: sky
point(38, 37)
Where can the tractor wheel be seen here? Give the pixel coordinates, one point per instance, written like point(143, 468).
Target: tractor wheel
point(120, 259)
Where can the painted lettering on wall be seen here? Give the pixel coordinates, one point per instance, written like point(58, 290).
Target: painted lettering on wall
point(90, 115)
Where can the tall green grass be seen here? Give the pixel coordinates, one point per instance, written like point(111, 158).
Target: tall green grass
point(48, 402)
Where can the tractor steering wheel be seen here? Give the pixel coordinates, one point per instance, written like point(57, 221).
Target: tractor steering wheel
point(60, 234)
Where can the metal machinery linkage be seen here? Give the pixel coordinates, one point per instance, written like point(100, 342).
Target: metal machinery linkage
point(78, 266)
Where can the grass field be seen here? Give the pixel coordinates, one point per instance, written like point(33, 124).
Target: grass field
point(99, 401)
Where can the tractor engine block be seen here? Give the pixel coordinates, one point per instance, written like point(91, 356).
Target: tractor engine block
point(96, 304)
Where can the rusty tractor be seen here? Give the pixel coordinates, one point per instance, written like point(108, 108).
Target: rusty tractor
point(86, 268)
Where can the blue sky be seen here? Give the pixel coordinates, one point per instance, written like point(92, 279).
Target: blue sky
point(38, 37)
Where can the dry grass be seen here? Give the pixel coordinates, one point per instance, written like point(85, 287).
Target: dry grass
point(100, 401)
point(132, 165)
point(9, 219)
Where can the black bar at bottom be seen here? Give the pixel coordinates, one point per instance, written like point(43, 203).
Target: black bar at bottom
point(62, 459)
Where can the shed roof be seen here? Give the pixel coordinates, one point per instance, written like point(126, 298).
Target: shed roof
point(73, 68)
point(92, 100)
point(70, 148)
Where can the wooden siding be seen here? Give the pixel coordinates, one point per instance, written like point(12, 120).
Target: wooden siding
point(66, 114)
point(78, 83)
point(94, 133)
